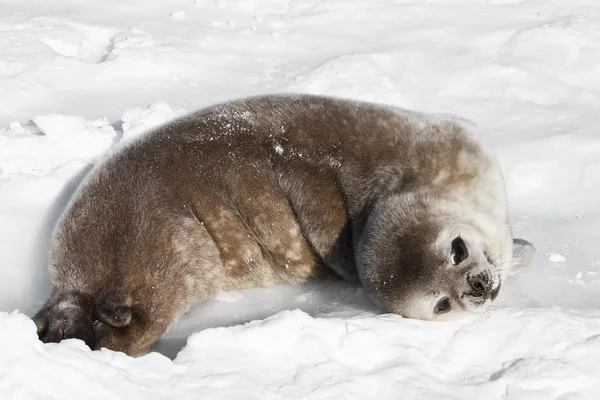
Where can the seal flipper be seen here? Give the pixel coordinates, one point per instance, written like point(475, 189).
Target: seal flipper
point(113, 307)
point(120, 324)
point(66, 316)
point(147, 322)
point(523, 253)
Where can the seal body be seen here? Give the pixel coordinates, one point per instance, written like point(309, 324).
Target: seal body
point(280, 188)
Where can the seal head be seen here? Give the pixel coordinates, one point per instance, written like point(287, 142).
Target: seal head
point(422, 260)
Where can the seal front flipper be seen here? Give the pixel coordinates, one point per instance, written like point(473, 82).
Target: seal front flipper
point(66, 316)
point(523, 253)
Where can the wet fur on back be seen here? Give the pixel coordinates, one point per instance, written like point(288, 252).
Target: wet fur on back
point(281, 188)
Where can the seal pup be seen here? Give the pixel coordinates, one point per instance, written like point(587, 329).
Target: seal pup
point(280, 188)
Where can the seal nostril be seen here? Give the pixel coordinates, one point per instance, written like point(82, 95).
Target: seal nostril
point(479, 285)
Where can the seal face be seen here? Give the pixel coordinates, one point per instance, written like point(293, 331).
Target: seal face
point(430, 262)
point(281, 188)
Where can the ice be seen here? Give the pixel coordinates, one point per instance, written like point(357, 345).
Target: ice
point(79, 79)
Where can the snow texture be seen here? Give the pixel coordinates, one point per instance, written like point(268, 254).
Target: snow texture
point(80, 79)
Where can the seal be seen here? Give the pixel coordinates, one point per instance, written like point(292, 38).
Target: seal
point(281, 188)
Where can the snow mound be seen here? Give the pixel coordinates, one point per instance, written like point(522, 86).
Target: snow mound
point(51, 141)
point(140, 119)
point(566, 165)
point(515, 354)
point(337, 76)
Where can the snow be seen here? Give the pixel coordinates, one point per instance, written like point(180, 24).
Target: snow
point(78, 79)
point(292, 355)
point(178, 15)
point(557, 258)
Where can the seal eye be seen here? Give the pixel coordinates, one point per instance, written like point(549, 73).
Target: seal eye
point(443, 306)
point(459, 251)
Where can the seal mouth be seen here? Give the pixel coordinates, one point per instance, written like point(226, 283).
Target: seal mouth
point(496, 291)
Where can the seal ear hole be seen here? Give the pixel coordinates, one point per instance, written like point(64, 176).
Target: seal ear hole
point(459, 251)
point(443, 306)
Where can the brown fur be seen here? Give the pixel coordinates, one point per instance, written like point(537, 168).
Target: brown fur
point(250, 193)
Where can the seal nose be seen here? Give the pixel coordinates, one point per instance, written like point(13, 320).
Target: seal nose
point(480, 286)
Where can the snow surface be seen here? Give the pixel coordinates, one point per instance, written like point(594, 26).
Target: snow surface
point(80, 78)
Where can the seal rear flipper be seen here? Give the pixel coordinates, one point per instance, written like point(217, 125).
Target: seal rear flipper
point(147, 323)
point(66, 316)
point(113, 307)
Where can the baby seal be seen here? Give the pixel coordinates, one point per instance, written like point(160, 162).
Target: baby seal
point(281, 188)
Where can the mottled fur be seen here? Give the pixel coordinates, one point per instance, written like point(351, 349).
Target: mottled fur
point(282, 188)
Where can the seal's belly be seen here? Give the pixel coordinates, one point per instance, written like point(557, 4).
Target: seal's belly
point(260, 241)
